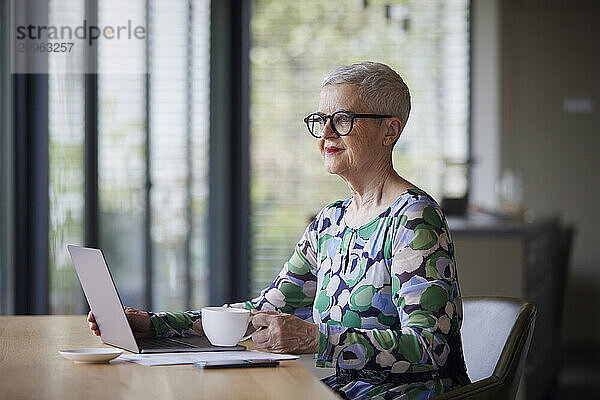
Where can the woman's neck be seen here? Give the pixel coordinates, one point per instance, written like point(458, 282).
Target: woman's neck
point(375, 187)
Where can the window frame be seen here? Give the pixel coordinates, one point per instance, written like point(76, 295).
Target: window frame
point(229, 154)
point(6, 165)
point(30, 169)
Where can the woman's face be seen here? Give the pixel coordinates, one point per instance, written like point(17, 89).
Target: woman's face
point(346, 155)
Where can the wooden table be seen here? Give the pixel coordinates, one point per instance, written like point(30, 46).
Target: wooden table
point(31, 368)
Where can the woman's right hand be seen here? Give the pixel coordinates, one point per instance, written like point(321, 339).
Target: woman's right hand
point(140, 323)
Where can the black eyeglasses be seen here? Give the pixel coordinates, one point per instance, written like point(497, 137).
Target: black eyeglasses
point(341, 122)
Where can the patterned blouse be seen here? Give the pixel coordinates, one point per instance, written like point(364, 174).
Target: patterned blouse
point(385, 296)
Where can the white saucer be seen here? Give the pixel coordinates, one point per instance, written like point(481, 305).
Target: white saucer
point(91, 355)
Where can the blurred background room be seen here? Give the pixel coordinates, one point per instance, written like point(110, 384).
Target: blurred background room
point(169, 151)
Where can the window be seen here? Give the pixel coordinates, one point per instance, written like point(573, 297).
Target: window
point(153, 132)
point(66, 171)
point(152, 128)
point(294, 45)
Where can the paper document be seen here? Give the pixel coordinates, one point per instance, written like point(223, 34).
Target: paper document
point(192, 358)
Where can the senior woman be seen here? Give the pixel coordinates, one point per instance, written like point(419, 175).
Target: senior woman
point(372, 286)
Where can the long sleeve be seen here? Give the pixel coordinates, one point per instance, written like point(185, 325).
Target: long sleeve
point(424, 291)
point(292, 292)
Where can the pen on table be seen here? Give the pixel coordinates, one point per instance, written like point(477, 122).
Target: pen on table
point(237, 363)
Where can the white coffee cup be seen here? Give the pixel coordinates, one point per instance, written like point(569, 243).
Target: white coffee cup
point(225, 326)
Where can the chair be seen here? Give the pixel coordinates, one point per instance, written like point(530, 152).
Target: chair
point(565, 248)
point(496, 334)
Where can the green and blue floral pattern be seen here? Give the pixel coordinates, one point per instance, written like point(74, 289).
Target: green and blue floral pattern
point(385, 295)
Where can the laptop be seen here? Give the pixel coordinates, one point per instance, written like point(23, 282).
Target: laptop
point(105, 303)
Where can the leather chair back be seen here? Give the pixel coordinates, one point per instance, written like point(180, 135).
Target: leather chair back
point(496, 335)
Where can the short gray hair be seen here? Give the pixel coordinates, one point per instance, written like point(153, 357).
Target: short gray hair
point(379, 87)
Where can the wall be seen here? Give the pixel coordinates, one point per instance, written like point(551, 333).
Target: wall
point(550, 53)
point(485, 102)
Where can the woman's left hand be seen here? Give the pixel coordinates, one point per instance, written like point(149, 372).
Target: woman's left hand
point(284, 333)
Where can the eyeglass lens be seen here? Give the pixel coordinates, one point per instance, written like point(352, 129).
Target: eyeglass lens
point(342, 122)
point(315, 124)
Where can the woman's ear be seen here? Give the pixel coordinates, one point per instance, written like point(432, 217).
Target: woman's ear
point(394, 128)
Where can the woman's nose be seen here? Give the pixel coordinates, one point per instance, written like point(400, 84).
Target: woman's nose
point(328, 131)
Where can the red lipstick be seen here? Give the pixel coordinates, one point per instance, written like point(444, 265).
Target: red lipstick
point(332, 150)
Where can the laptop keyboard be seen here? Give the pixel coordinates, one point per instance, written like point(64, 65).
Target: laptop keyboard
point(162, 343)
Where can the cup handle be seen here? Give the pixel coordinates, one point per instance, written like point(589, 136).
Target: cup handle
point(250, 335)
point(245, 338)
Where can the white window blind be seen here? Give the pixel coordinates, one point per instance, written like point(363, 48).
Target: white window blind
point(121, 151)
point(177, 97)
point(66, 180)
